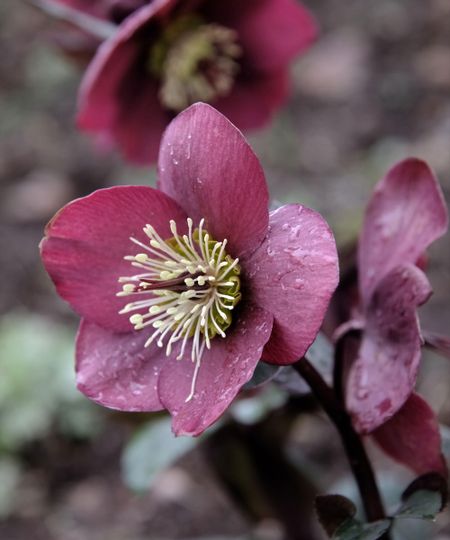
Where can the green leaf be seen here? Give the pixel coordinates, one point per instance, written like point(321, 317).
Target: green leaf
point(321, 356)
point(37, 383)
point(253, 409)
point(10, 473)
point(424, 498)
point(333, 511)
point(353, 529)
point(152, 449)
point(263, 374)
point(422, 504)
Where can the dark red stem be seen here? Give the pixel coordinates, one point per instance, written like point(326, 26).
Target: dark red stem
point(354, 448)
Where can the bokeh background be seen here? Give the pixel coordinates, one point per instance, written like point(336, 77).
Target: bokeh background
point(374, 89)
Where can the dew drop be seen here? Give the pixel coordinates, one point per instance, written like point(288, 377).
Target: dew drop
point(299, 283)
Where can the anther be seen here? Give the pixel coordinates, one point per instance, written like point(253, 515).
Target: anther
point(136, 319)
point(141, 257)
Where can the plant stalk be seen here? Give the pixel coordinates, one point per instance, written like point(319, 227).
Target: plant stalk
point(354, 448)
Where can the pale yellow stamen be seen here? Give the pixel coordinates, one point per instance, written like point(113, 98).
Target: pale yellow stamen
point(191, 286)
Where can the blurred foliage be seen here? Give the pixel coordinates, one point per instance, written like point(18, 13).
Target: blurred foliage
point(354, 530)
point(250, 410)
point(10, 472)
point(153, 448)
point(37, 383)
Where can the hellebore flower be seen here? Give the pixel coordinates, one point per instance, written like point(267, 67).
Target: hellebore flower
point(405, 215)
point(184, 289)
point(169, 54)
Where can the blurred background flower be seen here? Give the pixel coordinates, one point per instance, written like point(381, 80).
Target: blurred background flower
point(168, 55)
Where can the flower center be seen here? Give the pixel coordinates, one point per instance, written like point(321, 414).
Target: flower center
point(194, 61)
point(189, 287)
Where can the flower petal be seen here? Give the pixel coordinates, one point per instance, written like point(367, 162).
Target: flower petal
point(207, 166)
point(271, 32)
point(118, 99)
point(384, 374)
point(86, 242)
point(406, 213)
point(254, 100)
point(225, 368)
point(412, 437)
point(116, 370)
point(140, 121)
point(293, 275)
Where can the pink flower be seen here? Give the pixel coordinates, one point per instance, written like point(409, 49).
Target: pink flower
point(212, 281)
point(406, 214)
point(169, 54)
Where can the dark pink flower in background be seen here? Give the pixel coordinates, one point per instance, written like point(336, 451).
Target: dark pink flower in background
point(183, 289)
point(406, 213)
point(169, 54)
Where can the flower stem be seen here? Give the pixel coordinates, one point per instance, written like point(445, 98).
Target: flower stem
point(354, 448)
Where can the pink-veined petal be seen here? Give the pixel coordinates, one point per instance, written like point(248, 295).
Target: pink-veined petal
point(86, 242)
point(208, 167)
point(406, 213)
point(384, 374)
point(412, 437)
point(224, 369)
point(293, 275)
point(116, 370)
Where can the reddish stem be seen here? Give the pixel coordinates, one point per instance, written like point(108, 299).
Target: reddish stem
point(354, 448)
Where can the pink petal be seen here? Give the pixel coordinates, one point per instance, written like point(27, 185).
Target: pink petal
point(207, 166)
point(293, 275)
point(117, 97)
point(271, 32)
point(98, 97)
point(140, 122)
point(86, 241)
point(225, 368)
point(412, 437)
point(405, 215)
point(116, 370)
point(255, 99)
point(384, 374)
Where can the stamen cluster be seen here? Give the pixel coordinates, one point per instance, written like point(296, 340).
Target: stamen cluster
point(195, 62)
point(190, 286)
